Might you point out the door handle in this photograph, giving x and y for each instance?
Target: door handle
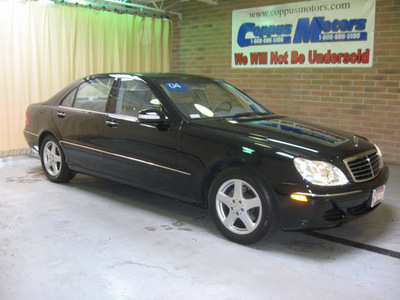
(60, 114)
(112, 123)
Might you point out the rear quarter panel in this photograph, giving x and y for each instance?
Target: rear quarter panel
(40, 124)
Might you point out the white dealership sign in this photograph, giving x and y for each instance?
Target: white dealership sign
(304, 34)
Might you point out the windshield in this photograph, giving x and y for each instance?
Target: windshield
(199, 98)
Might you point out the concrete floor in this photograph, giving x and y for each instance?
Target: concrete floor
(94, 239)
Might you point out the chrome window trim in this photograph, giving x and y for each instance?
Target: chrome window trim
(123, 117)
(83, 110)
(126, 157)
(329, 195)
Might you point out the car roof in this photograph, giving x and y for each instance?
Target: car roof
(55, 99)
(150, 76)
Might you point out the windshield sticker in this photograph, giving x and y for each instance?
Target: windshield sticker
(175, 86)
(195, 116)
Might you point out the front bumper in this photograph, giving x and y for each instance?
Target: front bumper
(326, 208)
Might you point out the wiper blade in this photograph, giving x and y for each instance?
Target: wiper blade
(246, 114)
(250, 114)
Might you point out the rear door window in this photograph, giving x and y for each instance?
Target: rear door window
(93, 94)
(69, 99)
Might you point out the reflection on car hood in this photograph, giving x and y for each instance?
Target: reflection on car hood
(288, 133)
(306, 131)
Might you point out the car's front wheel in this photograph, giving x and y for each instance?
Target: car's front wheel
(242, 206)
(53, 161)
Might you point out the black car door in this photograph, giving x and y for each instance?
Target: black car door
(141, 154)
(81, 122)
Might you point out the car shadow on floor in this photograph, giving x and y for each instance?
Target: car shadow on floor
(189, 217)
(361, 234)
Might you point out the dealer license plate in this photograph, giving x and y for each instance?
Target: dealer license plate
(377, 195)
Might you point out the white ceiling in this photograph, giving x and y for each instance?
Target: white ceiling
(160, 8)
(154, 6)
(160, 3)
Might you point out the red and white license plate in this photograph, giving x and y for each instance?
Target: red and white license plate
(377, 195)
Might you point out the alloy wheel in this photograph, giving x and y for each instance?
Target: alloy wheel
(238, 206)
(52, 158)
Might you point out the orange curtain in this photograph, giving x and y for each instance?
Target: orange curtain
(45, 46)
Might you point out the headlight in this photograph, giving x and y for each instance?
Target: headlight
(320, 172)
(380, 156)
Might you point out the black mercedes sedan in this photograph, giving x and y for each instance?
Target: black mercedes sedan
(200, 139)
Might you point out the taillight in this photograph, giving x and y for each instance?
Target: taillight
(26, 120)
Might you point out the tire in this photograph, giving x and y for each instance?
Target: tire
(242, 206)
(53, 161)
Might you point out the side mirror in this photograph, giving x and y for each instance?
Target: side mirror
(152, 116)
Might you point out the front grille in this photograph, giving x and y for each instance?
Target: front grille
(359, 209)
(364, 166)
(337, 215)
(334, 215)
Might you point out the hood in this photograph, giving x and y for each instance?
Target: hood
(293, 136)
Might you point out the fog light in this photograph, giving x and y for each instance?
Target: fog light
(298, 197)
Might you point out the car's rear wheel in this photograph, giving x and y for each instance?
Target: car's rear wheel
(53, 161)
(242, 206)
